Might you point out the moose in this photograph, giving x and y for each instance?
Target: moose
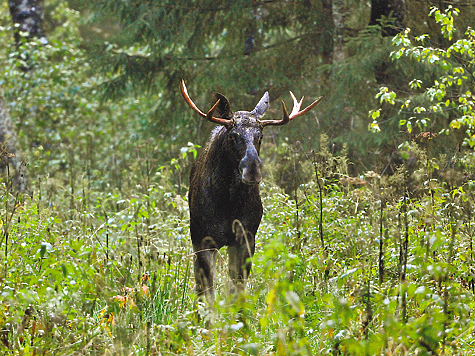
(224, 201)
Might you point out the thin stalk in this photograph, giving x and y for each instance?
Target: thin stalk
(71, 180)
(320, 223)
(7, 220)
(107, 237)
(472, 282)
(148, 193)
(6, 249)
(368, 317)
(469, 208)
(297, 205)
(381, 243)
(185, 283)
(431, 190)
(404, 259)
(453, 230)
(429, 171)
(148, 198)
(7, 189)
(88, 161)
(38, 205)
(139, 261)
(471, 252)
(149, 324)
(320, 193)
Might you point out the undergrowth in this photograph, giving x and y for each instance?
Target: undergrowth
(393, 273)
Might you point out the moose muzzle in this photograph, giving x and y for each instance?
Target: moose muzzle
(250, 167)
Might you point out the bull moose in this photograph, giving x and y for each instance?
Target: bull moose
(225, 205)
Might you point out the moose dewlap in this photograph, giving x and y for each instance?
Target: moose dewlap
(225, 206)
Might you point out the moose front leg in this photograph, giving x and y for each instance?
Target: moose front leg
(205, 267)
(240, 263)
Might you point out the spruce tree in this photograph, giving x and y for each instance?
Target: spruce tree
(338, 49)
(239, 48)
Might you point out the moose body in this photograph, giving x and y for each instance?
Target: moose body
(225, 205)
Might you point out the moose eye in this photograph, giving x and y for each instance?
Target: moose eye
(235, 136)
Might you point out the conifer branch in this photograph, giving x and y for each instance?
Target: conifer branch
(170, 58)
(216, 9)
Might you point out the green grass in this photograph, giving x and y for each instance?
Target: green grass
(117, 277)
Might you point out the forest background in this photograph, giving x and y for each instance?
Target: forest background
(366, 245)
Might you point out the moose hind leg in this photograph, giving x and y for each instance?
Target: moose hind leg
(205, 266)
(240, 264)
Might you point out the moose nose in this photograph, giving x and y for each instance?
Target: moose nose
(250, 167)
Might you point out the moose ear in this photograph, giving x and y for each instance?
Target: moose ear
(261, 106)
(223, 110)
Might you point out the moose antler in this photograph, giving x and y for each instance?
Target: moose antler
(209, 115)
(295, 112)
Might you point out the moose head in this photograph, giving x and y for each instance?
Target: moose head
(245, 129)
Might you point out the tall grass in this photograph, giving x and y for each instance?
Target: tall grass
(384, 267)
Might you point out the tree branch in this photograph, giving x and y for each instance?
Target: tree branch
(216, 9)
(264, 48)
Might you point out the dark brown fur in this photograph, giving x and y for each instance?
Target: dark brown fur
(225, 206)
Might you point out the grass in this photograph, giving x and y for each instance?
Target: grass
(115, 275)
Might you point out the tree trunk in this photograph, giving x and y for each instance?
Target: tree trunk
(27, 15)
(389, 14)
(339, 18)
(327, 38)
